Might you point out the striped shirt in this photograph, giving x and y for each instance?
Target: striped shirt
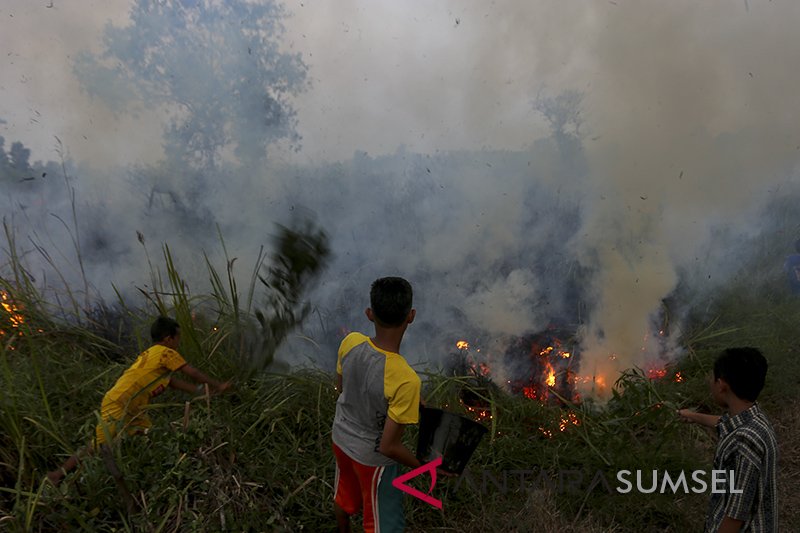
(747, 446)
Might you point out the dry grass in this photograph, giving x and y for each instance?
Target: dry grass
(259, 459)
(536, 510)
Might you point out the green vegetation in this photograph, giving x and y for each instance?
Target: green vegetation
(259, 459)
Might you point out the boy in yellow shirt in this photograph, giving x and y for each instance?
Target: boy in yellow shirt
(124, 405)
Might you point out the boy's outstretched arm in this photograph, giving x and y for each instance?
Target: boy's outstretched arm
(392, 446)
(688, 415)
(199, 377)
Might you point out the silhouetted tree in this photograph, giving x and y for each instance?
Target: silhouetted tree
(215, 68)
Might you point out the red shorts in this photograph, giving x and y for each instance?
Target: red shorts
(370, 487)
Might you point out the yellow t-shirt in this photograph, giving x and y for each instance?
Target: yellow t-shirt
(147, 377)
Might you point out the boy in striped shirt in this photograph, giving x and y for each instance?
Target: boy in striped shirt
(747, 446)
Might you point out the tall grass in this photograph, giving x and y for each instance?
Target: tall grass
(55, 371)
(259, 458)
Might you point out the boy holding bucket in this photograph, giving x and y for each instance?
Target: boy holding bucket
(379, 395)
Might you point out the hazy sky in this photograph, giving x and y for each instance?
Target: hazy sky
(430, 75)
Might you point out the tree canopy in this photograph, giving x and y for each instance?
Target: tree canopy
(216, 69)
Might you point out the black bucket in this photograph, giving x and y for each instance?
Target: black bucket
(449, 436)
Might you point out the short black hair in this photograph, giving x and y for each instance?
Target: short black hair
(743, 369)
(163, 327)
(390, 299)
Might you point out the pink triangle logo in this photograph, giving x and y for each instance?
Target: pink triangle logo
(399, 482)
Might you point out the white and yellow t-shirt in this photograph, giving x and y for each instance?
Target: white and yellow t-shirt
(375, 384)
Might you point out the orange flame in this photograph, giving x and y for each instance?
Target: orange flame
(14, 316)
(462, 345)
(551, 376)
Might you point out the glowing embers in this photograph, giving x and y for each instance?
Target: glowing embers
(480, 414)
(540, 367)
(659, 373)
(537, 367)
(474, 397)
(463, 364)
(566, 421)
(476, 400)
(11, 317)
(13, 312)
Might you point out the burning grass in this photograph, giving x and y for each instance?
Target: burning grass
(259, 458)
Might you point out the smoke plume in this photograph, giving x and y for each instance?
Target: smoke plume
(522, 164)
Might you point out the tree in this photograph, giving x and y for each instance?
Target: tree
(14, 164)
(216, 68)
(18, 174)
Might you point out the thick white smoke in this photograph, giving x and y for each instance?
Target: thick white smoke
(522, 163)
